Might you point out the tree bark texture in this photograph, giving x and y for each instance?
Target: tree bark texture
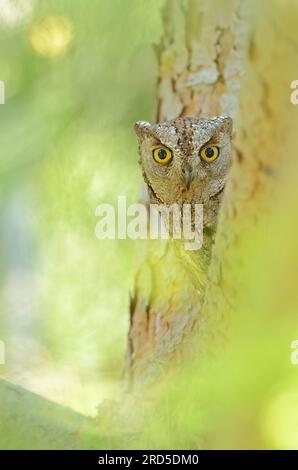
(213, 60)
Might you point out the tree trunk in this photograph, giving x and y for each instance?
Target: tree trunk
(212, 60)
(266, 121)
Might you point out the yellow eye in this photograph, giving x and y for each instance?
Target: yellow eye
(209, 153)
(162, 155)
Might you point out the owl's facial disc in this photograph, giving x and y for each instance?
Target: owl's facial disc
(185, 159)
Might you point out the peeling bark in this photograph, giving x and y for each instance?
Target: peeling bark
(200, 58)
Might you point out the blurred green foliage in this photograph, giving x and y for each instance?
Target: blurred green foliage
(77, 76)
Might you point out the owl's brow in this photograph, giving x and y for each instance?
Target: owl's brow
(157, 143)
(213, 140)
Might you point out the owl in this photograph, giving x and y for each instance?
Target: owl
(186, 160)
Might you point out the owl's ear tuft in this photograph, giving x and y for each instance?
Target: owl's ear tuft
(142, 128)
(227, 125)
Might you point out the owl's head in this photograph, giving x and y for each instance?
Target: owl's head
(185, 159)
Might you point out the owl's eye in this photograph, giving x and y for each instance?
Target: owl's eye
(209, 153)
(162, 155)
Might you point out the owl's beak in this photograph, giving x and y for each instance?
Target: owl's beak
(187, 175)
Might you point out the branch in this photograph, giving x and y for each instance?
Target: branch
(30, 421)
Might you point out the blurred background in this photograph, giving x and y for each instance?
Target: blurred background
(73, 92)
(77, 76)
